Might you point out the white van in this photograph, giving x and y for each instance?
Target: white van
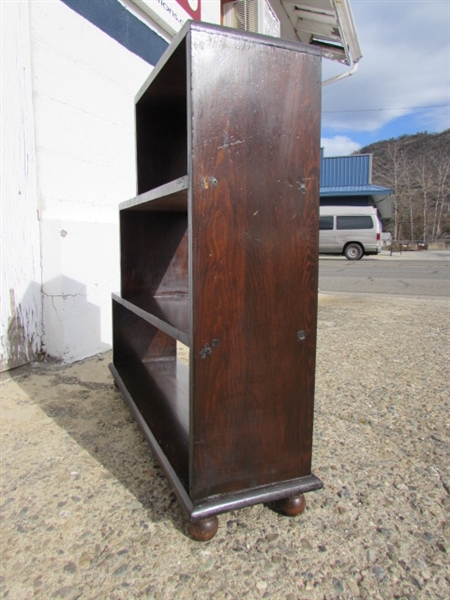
(349, 230)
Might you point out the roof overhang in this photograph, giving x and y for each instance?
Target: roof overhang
(355, 190)
(328, 25)
(381, 196)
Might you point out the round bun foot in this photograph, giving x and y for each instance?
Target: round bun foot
(204, 529)
(293, 506)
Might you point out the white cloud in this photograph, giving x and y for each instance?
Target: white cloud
(406, 63)
(339, 145)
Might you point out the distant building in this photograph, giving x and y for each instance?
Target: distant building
(347, 181)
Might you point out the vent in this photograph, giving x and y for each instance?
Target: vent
(251, 15)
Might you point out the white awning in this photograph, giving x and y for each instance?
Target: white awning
(327, 24)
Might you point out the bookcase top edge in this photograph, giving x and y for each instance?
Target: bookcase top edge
(176, 41)
(253, 37)
(198, 26)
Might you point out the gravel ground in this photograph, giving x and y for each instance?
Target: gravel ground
(87, 513)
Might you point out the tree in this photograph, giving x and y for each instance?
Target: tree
(389, 172)
(425, 180)
(443, 192)
(417, 169)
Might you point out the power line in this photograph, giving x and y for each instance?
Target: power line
(386, 109)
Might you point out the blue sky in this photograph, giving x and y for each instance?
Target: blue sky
(402, 85)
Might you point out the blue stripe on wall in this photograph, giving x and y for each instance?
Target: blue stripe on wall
(115, 20)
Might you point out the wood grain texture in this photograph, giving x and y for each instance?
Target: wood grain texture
(254, 262)
(154, 253)
(225, 258)
(145, 360)
(168, 313)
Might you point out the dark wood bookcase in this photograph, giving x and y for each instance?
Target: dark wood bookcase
(219, 251)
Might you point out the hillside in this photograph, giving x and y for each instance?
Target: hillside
(417, 168)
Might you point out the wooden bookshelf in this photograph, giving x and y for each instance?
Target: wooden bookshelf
(219, 251)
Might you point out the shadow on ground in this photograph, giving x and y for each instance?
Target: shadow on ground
(82, 399)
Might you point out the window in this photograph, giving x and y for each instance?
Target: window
(363, 222)
(325, 223)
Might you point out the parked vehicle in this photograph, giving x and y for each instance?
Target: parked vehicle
(353, 231)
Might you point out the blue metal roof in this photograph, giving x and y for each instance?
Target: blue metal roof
(349, 176)
(346, 170)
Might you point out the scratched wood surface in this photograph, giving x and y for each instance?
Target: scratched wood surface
(255, 111)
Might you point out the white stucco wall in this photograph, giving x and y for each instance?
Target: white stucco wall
(84, 84)
(20, 293)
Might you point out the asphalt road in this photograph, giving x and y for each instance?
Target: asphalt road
(410, 274)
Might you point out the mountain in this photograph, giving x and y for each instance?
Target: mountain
(417, 169)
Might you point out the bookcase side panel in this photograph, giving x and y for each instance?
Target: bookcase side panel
(254, 269)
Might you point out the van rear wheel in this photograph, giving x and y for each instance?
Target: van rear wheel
(353, 251)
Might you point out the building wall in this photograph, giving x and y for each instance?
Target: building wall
(84, 84)
(21, 315)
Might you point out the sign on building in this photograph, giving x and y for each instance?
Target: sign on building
(172, 14)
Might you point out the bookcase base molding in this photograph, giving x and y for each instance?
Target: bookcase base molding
(286, 497)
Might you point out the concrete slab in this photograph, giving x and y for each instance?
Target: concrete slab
(87, 513)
